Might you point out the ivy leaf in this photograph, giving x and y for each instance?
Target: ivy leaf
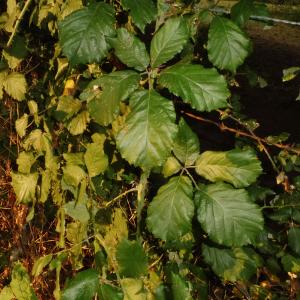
(228, 46)
(186, 147)
(95, 159)
(180, 289)
(294, 239)
(24, 186)
(170, 213)
(15, 85)
(40, 264)
(204, 89)
(116, 87)
(168, 41)
(232, 264)
(131, 258)
(238, 167)
(130, 50)
(147, 136)
(21, 125)
(79, 123)
(142, 12)
(228, 215)
(83, 33)
(108, 292)
(83, 286)
(20, 284)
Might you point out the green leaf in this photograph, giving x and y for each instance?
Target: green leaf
(68, 105)
(180, 289)
(168, 41)
(7, 294)
(241, 12)
(204, 89)
(83, 33)
(290, 73)
(45, 186)
(83, 286)
(73, 175)
(108, 292)
(142, 12)
(40, 264)
(130, 50)
(15, 85)
(74, 158)
(79, 123)
(228, 46)
(20, 283)
(186, 147)
(171, 167)
(228, 215)
(25, 160)
(238, 167)
(116, 87)
(147, 136)
(232, 264)
(21, 125)
(78, 211)
(294, 239)
(24, 186)
(133, 289)
(131, 258)
(170, 213)
(291, 263)
(95, 159)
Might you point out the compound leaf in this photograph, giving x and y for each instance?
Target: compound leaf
(146, 138)
(142, 12)
(83, 286)
(238, 167)
(228, 215)
(168, 41)
(83, 33)
(130, 50)
(204, 89)
(227, 45)
(186, 145)
(131, 258)
(116, 87)
(171, 211)
(232, 264)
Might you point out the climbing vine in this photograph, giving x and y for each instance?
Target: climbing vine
(102, 94)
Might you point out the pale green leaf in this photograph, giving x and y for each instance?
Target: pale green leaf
(180, 288)
(147, 137)
(82, 34)
(232, 264)
(7, 293)
(170, 213)
(20, 283)
(21, 125)
(3, 75)
(79, 123)
(130, 50)
(168, 41)
(290, 73)
(291, 263)
(73, 175)
(83, 286)
(70, 6)
(131, 258)
(228, 215)
(69, 106)
(95, 159)
(109, 292)
(35, 140)
(45, 186)
(116, 87)
(33, 109)
(25, 160)
(186, 147)
(133, 289)
(294, 239)
(142, 12)
(171, 166)
(78, 211)
(228, 46)
(74, 158)
(40, 264)
(15, 85)
(238, 167)
(204, 89)
(24, 186)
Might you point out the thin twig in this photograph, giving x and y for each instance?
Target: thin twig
(116, 199)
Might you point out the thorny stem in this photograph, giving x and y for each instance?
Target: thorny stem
(223, 127)
(18, 23)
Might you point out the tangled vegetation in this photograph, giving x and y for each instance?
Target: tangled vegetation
(111, 194)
